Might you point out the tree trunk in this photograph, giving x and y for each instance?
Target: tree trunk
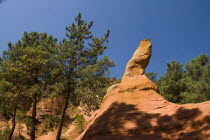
(51, 112)
(33, 129)
(63, 114)
(14, 117)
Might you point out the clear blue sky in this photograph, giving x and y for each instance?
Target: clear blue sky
(178, 29)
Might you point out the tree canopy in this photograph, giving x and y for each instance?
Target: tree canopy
(82, 70)
(190, 84)
(38, 66)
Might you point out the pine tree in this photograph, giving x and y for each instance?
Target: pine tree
(152, 76)
(81, 65)
(5, 88)
(197, 80)
(26, 64)
(189, 86)
(12, 83)
(170, 85)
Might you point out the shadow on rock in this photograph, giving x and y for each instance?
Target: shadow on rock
(125, 122)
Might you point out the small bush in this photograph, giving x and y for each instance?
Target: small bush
(80, 121)
(4, 133)
(28, 121)
(50, 123)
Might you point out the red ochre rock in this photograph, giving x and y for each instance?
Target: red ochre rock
(133, 110)
(46, 108)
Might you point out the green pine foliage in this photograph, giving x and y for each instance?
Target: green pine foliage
(38, 67)
(152, 76)
(186, 85)
(23, 69)
(169, 84)
(197, 80)
(82, 66)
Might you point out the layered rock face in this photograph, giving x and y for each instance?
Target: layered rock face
(133, 110)
(49, 107)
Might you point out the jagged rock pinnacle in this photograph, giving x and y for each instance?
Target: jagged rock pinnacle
(134, 75)
(140, 59)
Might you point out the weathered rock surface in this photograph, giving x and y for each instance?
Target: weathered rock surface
(134, 76)
(46, 108)
(133, 110)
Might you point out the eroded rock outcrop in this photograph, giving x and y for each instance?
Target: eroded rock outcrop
(134, 75)
(50, 107)
(133, 110)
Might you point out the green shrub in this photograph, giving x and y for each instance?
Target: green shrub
(28, 121)
(4, 133)
(80, 121)
(50, 123)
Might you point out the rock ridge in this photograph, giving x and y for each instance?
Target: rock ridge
(133, 109)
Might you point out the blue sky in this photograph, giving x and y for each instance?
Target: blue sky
(178, 29)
